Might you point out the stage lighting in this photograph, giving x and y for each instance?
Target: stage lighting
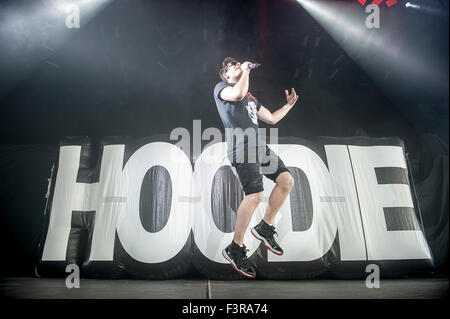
(426, 9)
(377, 50)
(410, 5)
(28, 26)
(67, 5)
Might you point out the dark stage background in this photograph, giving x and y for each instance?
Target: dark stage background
(141, 68)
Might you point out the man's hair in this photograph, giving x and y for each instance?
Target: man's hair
(225, 62)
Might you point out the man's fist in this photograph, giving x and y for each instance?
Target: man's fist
(246, 66)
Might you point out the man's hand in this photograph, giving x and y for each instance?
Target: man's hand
(291, 98)
(245, 66)
(273, 118)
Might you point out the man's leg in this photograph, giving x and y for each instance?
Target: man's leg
(264, 231)
(244, 215)
(284, 184)
(235, 253)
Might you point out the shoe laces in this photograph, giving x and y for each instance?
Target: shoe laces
(244, 251)
(271, 230)
(244, 259)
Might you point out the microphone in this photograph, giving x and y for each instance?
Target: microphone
(254, 65)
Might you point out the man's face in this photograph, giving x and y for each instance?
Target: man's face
(234, 70)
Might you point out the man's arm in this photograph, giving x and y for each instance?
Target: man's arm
(272, 118)
(240, 89)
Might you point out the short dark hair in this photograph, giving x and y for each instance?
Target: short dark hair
(225, 63)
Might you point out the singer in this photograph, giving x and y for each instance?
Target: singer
(239, 111)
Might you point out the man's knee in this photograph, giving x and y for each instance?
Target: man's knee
(256, 198)
(285, 181)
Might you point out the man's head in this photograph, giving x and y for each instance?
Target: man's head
(231, 70)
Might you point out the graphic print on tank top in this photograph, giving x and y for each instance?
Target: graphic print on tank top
(251, 108)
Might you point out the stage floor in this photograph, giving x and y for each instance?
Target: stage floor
(45, 288)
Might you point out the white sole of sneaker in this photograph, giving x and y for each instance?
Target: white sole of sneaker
(225, 255)
(257, 236)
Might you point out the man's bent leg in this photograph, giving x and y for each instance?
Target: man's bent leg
(244, 215)
(284, 184)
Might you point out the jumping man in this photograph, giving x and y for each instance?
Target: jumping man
(239, 111)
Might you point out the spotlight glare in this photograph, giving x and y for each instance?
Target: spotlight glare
(345, 23)
(412, 5)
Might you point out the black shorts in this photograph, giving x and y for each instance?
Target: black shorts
(250, 173)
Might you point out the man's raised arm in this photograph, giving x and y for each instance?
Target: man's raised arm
(272, 118)
(240, 89)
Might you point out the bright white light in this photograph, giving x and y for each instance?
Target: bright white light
(374, 50)
(68, 5)
(410, 5)
(32, 32)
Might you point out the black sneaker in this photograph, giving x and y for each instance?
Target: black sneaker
(237, 256)
(264, 232)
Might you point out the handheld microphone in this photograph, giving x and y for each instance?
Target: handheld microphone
(254, 65)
